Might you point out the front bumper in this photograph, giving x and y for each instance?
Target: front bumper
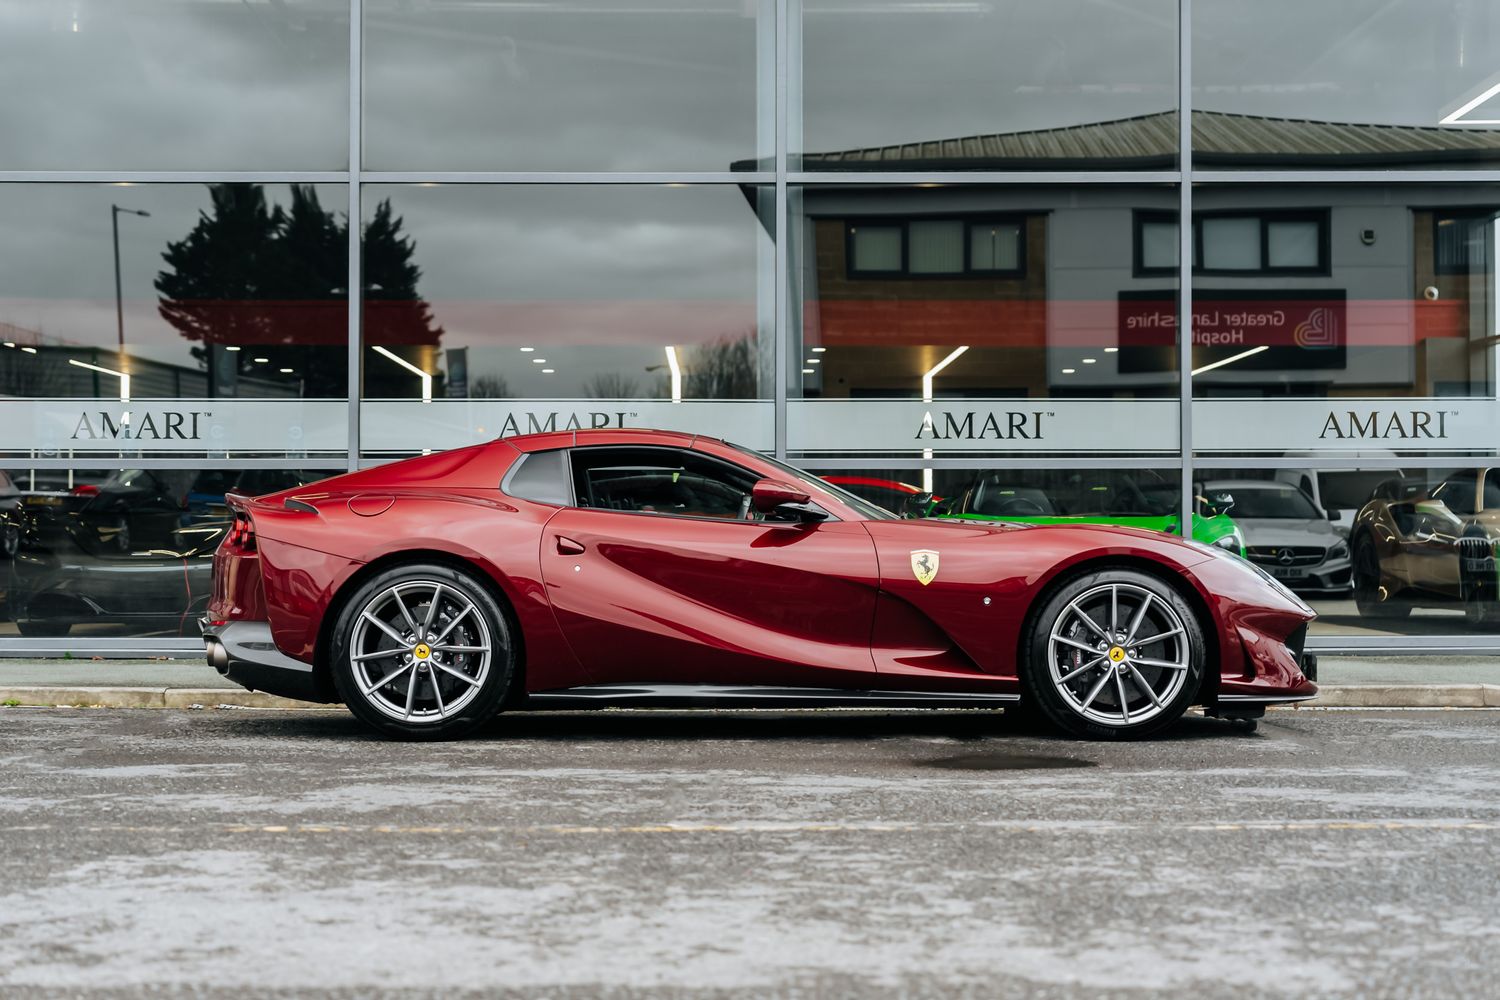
(244, 652)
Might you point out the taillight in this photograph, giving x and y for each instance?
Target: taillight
(241, 535)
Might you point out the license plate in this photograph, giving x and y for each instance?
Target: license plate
(1287, 573)
(1479, 565)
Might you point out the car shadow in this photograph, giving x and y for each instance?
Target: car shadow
(634, 725)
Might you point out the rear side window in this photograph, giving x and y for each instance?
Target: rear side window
(541, 476)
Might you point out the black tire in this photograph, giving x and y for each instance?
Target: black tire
(467, 611)
(43, 628)
(1052, 640)
(1369, 597)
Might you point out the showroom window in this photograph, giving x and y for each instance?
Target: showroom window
(936, 242)
(1269, 243)
(937, 248)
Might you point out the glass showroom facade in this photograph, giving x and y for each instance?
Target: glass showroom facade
(923, 247)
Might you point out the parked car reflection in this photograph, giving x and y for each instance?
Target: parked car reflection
(1419, 546)
(135, 553)
(1142, 499)
(1287, 535)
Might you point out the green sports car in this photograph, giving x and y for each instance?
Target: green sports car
(1112, 497)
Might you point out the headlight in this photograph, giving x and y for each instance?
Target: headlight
(1233, 543)
(1340, 550)
(1221, 551)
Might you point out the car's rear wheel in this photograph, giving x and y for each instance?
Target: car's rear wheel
(1113, 654)
(424, 651)
(1370, 595)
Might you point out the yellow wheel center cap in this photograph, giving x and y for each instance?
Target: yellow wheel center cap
(423, 651)
(1116, 654)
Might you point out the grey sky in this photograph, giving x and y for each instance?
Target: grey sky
(682, 84)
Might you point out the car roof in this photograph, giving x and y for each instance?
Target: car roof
(548, 440)
(1253, 484)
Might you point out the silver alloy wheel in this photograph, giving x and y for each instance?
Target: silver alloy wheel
(1118, 654)
(420, 651)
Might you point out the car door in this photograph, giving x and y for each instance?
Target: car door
(660, 573)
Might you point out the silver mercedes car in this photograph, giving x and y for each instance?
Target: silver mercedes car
(1287, 535)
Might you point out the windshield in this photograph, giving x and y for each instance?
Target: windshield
(865, 508)
(1288, 503)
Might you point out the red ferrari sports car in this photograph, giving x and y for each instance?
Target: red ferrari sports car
(614, 567)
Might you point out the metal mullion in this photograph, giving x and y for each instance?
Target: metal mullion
(354, 283)
(1401, 645)
(114, 461)
(566, 177)
(115, 648)
(1254, 176)
(963, 177)
(782, 311)
(173, 176)
(1336, 461)
(1160, 461)
(1185, 260)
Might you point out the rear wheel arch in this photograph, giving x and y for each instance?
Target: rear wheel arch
(322, 658)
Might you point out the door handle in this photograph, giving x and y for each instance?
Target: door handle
(567, 547)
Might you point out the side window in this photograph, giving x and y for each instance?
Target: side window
(1458, 493)
(661, 481)
(541, 476)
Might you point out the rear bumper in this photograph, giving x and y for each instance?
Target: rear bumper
(244, 652)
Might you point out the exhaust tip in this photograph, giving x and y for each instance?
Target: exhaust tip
(218, 657)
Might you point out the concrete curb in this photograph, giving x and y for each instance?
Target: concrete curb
(1406, 696)
(1332, 696)
(146, 697)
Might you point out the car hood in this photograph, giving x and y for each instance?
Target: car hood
(1286, 531)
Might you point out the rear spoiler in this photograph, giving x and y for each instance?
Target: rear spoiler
(242, 504)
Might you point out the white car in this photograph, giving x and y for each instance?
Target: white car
(1287, 535)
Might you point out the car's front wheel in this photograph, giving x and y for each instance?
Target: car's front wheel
(423, 651)
(1113, 654)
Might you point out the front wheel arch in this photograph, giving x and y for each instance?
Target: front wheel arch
(323, 651)
(1208, 691)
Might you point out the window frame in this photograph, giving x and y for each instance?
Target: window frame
(903, 223)
(1319, 216)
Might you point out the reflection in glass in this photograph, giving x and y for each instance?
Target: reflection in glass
(1136, 498)
(140, 85)
(575, 293)
(1361, 84)
(133, 292)
(567, 86)
(1340, 291)
(1376, 550)
(987, 85)
(124, 553)
(977, 293)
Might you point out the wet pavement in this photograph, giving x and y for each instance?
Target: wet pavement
(930, 854)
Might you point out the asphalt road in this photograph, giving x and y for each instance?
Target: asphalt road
(1330, 854)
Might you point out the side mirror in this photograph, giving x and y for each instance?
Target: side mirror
(768, 494)
(1334, 513)
(1218, 504)
(916, 505)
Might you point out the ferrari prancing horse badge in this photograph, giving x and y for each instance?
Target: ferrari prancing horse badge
(924, 565)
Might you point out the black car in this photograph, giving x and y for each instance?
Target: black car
(136, 552)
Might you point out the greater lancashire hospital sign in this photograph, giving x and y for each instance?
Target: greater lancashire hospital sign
(949, 426)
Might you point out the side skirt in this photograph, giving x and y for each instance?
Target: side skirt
(752, 696)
